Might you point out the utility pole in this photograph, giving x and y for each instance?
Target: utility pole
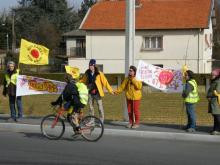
(129, 41)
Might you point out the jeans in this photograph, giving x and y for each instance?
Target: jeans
(12, 100)
(67, 105)
(190, 110)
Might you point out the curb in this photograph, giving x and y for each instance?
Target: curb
(127, 133)
(164, 135)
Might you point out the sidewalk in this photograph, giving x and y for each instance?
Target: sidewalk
(117, 128)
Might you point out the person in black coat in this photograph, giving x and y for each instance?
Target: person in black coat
(70, 95)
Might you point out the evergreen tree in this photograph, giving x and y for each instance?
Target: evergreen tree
(44, 21)
(85, 5)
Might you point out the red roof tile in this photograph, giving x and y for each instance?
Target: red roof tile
(153, 14)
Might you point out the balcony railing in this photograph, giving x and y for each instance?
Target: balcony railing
(77, 52)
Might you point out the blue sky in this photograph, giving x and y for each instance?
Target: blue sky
(6, 4)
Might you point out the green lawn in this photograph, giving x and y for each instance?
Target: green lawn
(156, 107)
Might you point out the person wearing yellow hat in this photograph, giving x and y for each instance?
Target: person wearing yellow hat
(73, 71)
(70, 95)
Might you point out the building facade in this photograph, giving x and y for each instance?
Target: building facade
(171, 38)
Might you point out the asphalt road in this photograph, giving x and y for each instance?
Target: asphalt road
(33, 149)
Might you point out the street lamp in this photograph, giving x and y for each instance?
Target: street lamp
(7, 42)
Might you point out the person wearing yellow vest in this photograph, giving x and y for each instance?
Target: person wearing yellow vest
(191, 97)
(96, 81)
(10, 81)
(71, 96)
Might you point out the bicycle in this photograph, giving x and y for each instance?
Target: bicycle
(53, 125)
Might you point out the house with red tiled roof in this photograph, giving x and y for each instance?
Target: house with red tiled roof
(169, 33)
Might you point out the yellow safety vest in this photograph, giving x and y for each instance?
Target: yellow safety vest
(193, 96)
(12, 79)
(83, 92)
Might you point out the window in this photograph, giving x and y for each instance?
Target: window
(80, 50)
(153, 43)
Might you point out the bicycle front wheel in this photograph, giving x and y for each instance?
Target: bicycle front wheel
(52, 127)
(91, 128)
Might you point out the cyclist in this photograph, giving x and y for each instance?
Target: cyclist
(71, 97)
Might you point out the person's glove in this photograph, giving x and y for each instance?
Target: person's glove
(4, 93)
(53, 103)
(184, 95)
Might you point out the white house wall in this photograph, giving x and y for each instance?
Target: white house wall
(179, 46)
(105, 45)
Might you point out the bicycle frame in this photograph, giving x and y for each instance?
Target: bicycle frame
(60, 112)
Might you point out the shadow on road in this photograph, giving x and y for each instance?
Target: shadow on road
(64, 138)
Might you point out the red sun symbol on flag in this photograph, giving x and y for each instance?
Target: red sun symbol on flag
(35, 53)
(166, 77)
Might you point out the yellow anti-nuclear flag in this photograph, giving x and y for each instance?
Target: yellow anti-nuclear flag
(33, 54)
(74, 71)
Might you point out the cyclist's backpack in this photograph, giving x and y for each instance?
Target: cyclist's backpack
(83, 92)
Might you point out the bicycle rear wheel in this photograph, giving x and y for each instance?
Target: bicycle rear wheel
(51, 128)
(91, 128)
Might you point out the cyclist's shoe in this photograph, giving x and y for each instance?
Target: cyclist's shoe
(78, 130)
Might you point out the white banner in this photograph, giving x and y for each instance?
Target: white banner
(165, 79)
(29, 85)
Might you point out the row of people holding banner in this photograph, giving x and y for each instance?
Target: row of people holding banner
(164, 79)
